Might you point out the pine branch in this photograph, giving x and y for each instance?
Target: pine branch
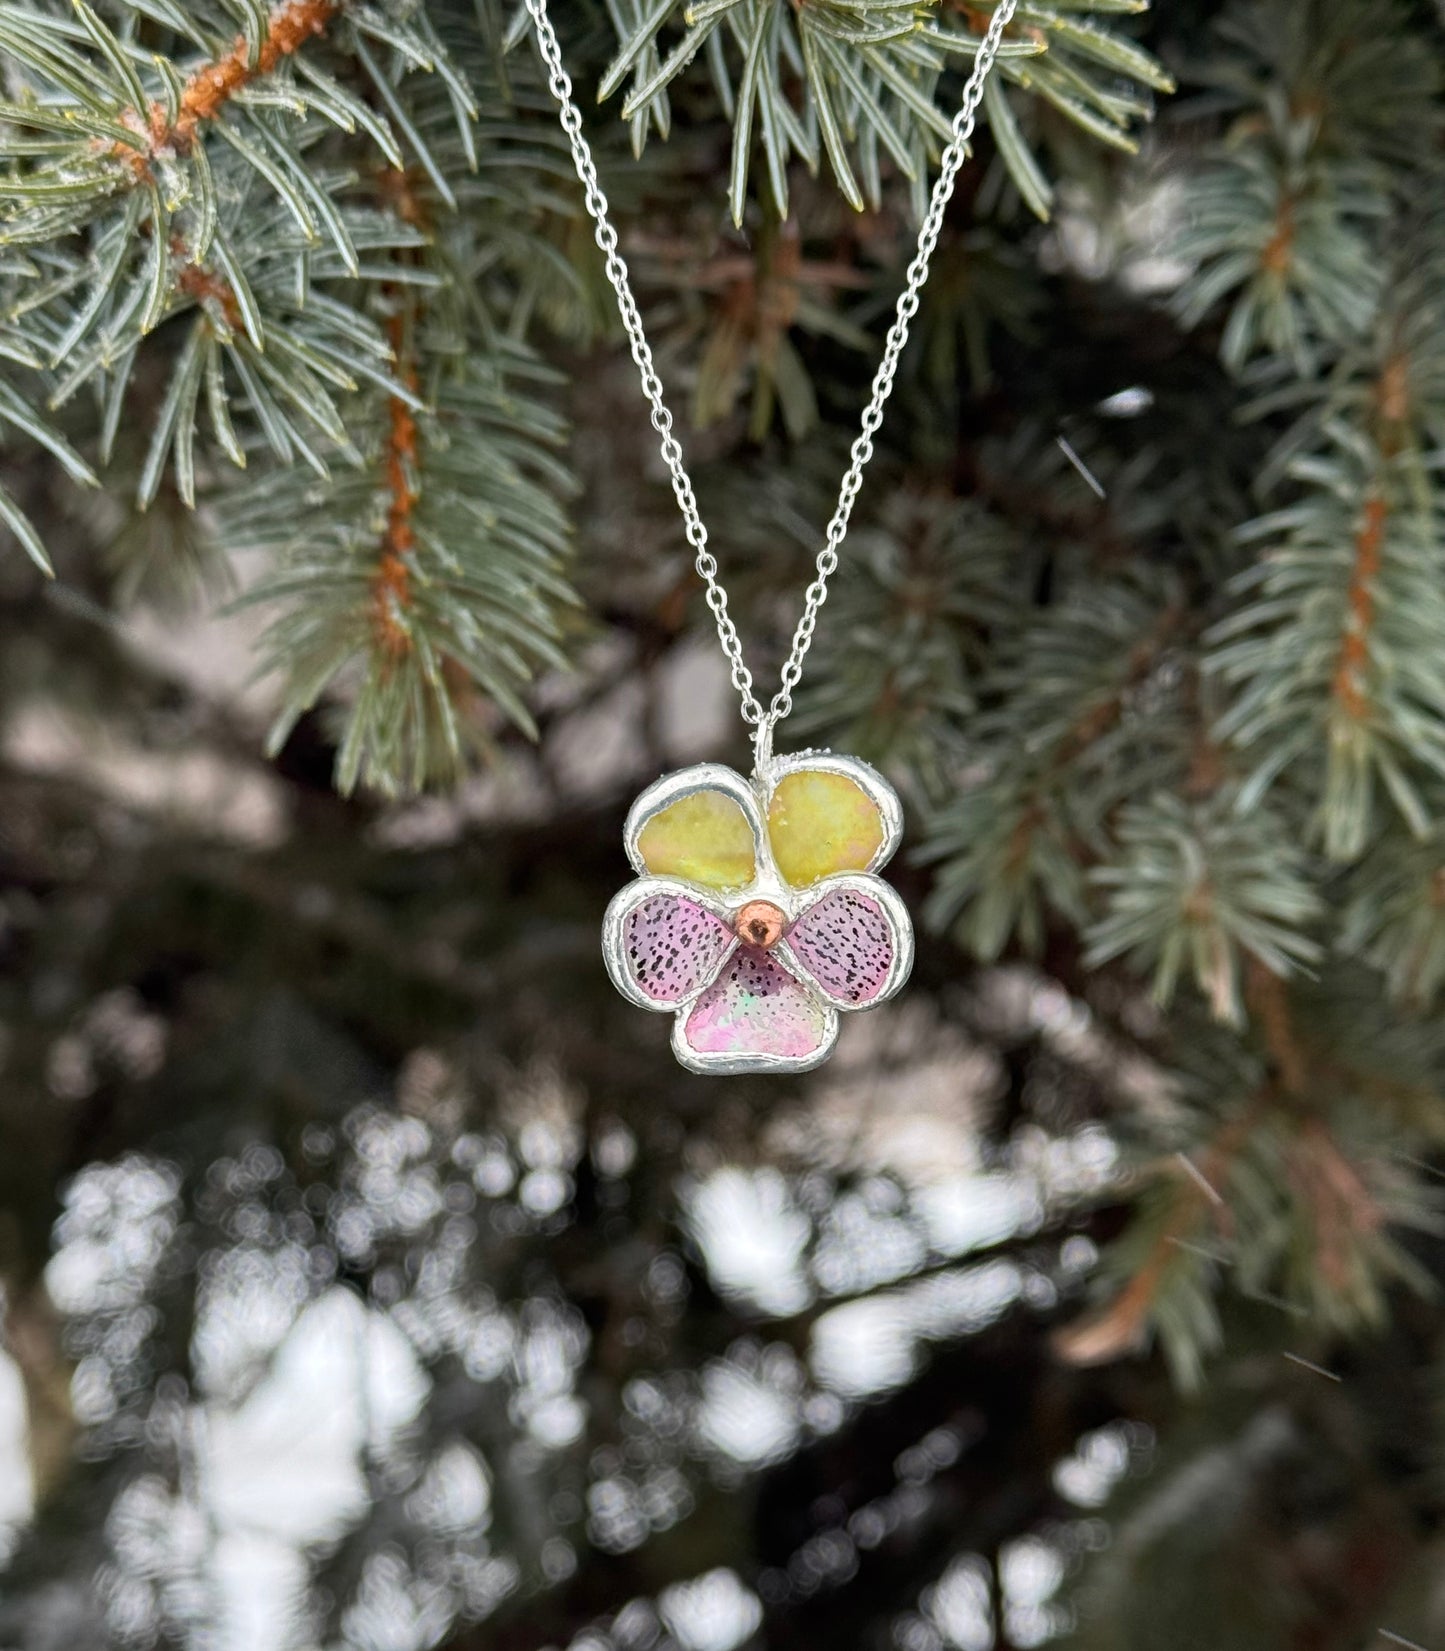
(1363, 72)
(1330, 657)
(762, 297)
(1336, 120)
(871, 84)
(1166, 1263)
(1395, 917)
(1067, 742)
(17, 413)
(287, 355)
(1287, 232)
(204, 192)
(214, 84)
(440, 573)
(200, 219)
(981, 286)
(1284, 1177)
(1195, 887)
(897, 674)
(1389, 383)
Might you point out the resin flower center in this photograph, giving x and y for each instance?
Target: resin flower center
(760, 924)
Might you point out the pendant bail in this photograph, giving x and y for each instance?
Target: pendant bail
(763, 745)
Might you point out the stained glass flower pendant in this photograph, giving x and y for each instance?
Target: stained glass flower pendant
(756, 918)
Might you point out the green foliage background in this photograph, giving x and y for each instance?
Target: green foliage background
(1143, 609)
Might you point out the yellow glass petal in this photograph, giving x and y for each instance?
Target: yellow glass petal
(704, 839)
(821, 823)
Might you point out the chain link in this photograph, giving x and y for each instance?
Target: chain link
(954, 154)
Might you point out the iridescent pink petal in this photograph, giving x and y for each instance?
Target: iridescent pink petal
(845, 942)
(755, 1007)
(673, 945)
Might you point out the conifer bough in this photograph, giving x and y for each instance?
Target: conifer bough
(206, 241)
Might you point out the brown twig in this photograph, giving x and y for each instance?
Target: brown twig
(211, 86)
(391, 583)
(1348, 687)
(1121, 1326)
(1090, 726)
(1277, 258)
(201, 283)
(391, 592)
(1345, 1210)
(1269, 1004)
(1392, 398)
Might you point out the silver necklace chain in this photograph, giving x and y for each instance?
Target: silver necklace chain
(955, 152)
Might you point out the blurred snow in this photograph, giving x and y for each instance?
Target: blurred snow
(748, 1418)
(713, 1613)
(752, 1236)
(116, 1223)
(216, 796)
(17, 1487)
(266, 1481)
(967, 1212)
(960, 1604)
(456, 1494)
(1099, 1461)
(868, 1346)
(210, 649)
(290, 1460)
(881, 1209)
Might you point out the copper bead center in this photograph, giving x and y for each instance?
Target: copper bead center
(760, 923)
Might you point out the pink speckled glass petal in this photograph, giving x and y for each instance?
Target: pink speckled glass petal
(673, 945)
(845, 941)
(755, 1007)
